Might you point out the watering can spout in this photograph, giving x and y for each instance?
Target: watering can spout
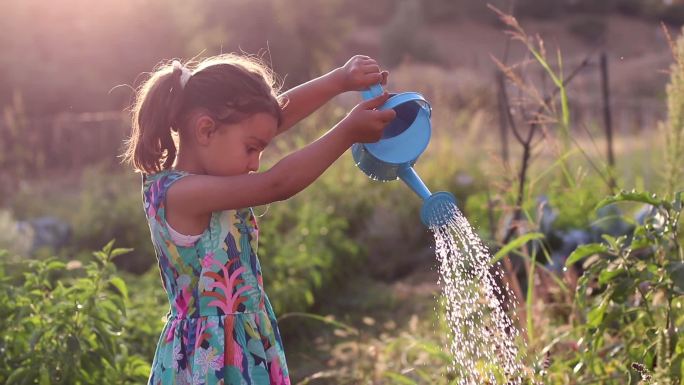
(409, 176)
(437, 208)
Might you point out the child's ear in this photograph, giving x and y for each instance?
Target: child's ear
(205, 127)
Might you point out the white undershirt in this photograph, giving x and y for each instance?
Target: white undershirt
(182, 239)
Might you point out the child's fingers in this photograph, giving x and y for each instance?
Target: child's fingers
(376, 102)
(373, 78)
(370, 68)
(384, 75)
(387, 116)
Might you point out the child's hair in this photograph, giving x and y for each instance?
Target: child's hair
(229, 87)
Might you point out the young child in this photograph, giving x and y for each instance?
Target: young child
(197, 137)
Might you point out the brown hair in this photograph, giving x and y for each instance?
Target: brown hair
(229, 87)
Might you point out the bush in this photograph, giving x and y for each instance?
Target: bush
(630, 299)
(63, 323)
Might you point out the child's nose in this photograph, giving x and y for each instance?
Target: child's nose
(253, 166)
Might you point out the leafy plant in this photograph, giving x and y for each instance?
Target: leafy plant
(629, 300)
(62, 323)
(304, 246)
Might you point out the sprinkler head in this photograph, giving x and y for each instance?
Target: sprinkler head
(438, 209)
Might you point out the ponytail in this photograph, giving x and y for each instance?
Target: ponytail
(151, 147)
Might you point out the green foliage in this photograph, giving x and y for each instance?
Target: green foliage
(574, 204)
(110, 207)
(63, 323)
(145, 312)
(306, 244)
(630, 298)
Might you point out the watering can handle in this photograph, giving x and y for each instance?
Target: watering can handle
(372, 92)
(377, 90)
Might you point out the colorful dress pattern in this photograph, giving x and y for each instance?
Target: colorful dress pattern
(220, 327)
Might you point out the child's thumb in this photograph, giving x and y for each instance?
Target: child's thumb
(376, 102)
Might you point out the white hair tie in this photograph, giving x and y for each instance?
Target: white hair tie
(185, 73)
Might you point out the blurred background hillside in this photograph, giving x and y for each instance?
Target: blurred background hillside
(69, 69)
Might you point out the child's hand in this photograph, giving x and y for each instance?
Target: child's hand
(361, 72)
(364, 124)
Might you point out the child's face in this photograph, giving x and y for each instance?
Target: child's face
(236, 149)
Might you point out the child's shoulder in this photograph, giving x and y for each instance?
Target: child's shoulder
(154, 185)
(167, 175)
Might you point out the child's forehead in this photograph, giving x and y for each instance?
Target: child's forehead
(261, 125)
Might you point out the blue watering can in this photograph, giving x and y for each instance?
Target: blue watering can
(402, 142)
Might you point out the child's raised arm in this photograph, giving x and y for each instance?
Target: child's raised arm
(197, 195)
(358, 73)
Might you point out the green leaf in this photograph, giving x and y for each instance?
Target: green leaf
(584, 251)
(595, 316)
(435, 351)
(608, 275)
(120, 251)
(514, 244)
(676, 270)
(399, 378)
(55, 265)
(120, 286)
(633, 196)
(18, 375)
(677, 204)
(44, 376)
(107, 249)
(73, 344)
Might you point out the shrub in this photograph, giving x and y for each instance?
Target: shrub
(630, 298)
(63, 323)
(308, 242)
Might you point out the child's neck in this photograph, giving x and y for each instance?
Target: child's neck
(186, 163)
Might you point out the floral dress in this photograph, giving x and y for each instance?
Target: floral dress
(220, 328)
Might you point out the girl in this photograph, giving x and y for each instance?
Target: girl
(197, 197)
